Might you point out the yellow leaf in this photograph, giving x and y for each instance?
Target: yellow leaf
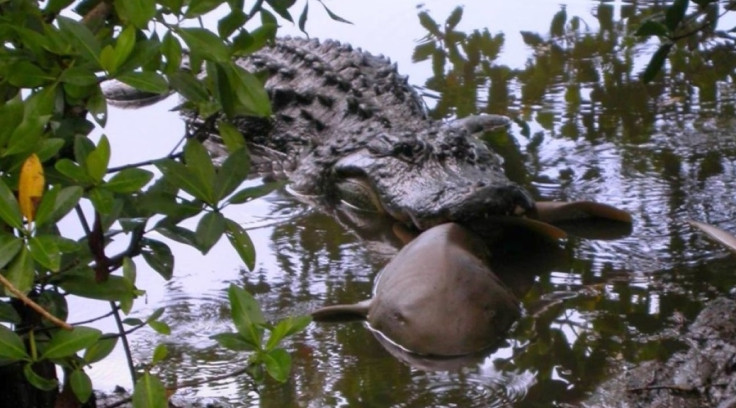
(30, 186)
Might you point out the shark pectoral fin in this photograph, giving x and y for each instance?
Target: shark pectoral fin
(722, 237)
(555, 211)
(356, 311)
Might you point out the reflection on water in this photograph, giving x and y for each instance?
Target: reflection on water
(586, 129)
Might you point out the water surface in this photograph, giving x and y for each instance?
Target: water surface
(586, 129)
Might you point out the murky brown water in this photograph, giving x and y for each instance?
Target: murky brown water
(665, 152)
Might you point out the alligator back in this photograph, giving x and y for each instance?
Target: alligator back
(323, 93)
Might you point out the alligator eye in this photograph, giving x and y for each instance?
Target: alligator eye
(404, 149)
(408, 151)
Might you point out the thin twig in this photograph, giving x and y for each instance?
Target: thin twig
(33, 305)
(142, 163)
(94, 319)
(124, 338)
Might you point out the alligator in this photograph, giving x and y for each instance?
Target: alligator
(347, 128)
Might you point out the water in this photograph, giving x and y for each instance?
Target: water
(664, 152)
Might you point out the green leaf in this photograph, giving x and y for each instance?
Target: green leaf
(124, 47)
(156, 314)
(232, 173)
(132, 321)
(129, 269)
(27, 135)
(49, 148)
(675, 13)
(98, 160)
(231, 136)
(303, 18)
(45, 251)
(231, 22)
(188, 86)
(285, 328)
(140, 12)
(145, 52)
(333, 15)
(206, 43)
(200, 165)
(9, 247)
(250, 92)
(8, 314)
(11, 345)
(282, 8)
(249, 42)
(454, 18)
(149, 392)
(656, 63)
(278, 364)
(129, 180)
(81, 37)
(429, 24)
(181, 177)
(56, 203)
(241, 242)
(158, 256)
(199, 7)
(9, 209)
(72, 170)
(11, 115)
(557, 27)
(233, 341)
(102, 200)
(250, 193)
(209, 230)
(82, 282)
(65, 343)
(177, 233)
(246, 314)
(81, 384)
(101, 349)
(20, 273)
(55, 6)
(25, 74)
(46, 384)
(160, 327)
(171, 49)
(159, 353)
(651, 27)
(145, 81)
(43, 103)
(423, 52)
(224, 89)
(80, 76)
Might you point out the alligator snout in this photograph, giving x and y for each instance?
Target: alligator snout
(505, 200)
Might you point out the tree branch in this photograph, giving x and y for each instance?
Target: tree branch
(33, 305)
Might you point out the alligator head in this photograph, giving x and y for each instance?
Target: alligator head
(420, 178)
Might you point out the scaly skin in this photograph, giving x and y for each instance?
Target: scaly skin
(347, 127)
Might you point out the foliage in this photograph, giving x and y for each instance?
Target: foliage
(675, 24)
(52, 66)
